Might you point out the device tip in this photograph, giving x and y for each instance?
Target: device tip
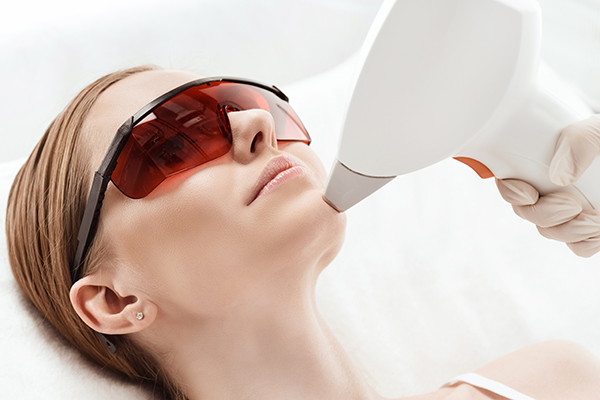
(326, 200)
(345, 187)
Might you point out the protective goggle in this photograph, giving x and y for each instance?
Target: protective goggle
(182, 129)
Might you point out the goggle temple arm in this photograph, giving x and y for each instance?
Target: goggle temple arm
(89, 223)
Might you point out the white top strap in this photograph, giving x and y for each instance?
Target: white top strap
(495, 387)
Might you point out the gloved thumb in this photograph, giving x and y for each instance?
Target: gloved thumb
(516, 192)
(577, 146)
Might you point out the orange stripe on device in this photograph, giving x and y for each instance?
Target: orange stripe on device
(481, 170)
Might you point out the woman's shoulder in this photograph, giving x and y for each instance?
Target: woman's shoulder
(549, 370)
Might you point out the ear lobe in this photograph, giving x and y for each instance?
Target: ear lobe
(106, 311)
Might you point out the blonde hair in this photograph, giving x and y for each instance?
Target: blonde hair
(45, 209)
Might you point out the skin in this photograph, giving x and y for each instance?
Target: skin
(227, 288)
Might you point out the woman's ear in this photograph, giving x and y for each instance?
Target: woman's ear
(105, 310)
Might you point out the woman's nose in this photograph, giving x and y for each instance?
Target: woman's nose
(252, 132)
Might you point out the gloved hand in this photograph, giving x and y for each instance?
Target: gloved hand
(560, 216)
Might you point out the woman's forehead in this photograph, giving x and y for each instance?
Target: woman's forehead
(126, 97)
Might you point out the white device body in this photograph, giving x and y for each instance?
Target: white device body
(449, 78)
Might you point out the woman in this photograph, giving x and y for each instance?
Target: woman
(203, 284)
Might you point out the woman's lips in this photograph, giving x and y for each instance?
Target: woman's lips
(280, 169)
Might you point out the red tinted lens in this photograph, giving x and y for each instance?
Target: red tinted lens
(188, 130)
(180, 134)
(288, 126)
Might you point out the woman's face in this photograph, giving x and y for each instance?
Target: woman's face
(202, 237)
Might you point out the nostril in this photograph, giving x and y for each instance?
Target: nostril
(257, 139)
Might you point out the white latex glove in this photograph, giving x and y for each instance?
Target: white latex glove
(560, 216)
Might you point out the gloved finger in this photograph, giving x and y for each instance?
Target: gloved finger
(577, 146)
(583, 227)
(551, 210)
(586, 248)
(517, 192)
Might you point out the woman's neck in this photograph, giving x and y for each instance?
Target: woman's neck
(271, 344)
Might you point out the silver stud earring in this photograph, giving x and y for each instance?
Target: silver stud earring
(139, 315)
